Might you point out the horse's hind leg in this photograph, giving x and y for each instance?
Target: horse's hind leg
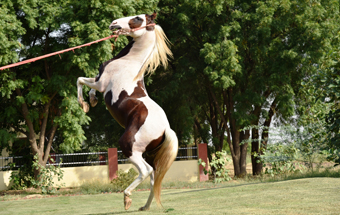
(144, 170)
(148, 203)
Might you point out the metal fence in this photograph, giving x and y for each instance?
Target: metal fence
(78, 159)
(86, 159)
(11, 162)
(188, 153)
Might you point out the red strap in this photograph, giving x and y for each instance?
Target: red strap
(66, 50)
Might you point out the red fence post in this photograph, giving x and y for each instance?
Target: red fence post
(203, 154)
(113, 163)
(102, 159)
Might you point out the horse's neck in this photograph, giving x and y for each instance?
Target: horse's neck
(142, 48)
(127, 68)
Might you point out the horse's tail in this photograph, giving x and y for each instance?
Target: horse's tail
(163, 160)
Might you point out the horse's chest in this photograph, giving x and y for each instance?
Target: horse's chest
(125, 107)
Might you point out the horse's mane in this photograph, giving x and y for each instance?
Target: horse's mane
(159, 54)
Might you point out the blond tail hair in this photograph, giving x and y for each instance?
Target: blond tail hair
(163, 160)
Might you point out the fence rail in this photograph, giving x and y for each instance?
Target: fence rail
(85, 159)
(11, 162)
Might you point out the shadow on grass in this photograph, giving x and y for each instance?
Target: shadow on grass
(213, 188)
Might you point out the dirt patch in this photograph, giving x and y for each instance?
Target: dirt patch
(34, 196)
(18, 192)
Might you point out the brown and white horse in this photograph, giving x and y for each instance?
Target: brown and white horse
(121, 79)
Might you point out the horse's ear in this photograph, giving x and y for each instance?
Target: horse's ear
(154, 15)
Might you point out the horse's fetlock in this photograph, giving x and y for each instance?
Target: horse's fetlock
(127, 193)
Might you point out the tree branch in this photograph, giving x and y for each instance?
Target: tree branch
(29, 123)
(44, 124)
(49, 144)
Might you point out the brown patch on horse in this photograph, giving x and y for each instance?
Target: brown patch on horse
(150, 20)
(136, 22)
(152, 149)
(122, 53)
(155, 143)
(130, 113)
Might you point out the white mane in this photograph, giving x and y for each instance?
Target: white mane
(159, 54)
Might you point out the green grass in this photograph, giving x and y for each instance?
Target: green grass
(299, 196)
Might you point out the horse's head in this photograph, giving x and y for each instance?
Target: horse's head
(127, 25)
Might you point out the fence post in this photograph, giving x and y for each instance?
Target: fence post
(113, 163)
(203, 154)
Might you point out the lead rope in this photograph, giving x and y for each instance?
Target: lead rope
(114, 34)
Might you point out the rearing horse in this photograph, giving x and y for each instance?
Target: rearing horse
(121, 79)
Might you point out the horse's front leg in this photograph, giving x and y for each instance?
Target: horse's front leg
(93, 98)
(80, 82)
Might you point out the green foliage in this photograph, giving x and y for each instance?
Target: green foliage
(45, 177)
(331, 83)
(333, 120)
(251, 55)
(217, 166)
(124, 179)
(312, 144)
(293, 148)
(280, 159)
(47, 88)
(22, 178)
(320, 103)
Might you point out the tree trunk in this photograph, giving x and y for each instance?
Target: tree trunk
(266, 125)
(258, 148)
(255, 146)
(38, 148)
(244, 146)
(238, 152)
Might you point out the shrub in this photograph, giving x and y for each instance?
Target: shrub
(124, 179)
(45, 177)
(217, 166)
(280, 159)
(21, 179)
(118, 184)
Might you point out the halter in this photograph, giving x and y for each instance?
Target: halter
(124, 31)
(114, 34)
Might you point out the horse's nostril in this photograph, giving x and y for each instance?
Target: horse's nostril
(113, 27)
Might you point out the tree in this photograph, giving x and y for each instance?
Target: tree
(247, 59)
(39, 99)
(327, 81)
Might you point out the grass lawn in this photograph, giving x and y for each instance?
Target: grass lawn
(301, 196)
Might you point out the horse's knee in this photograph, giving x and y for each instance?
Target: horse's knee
(79, 81)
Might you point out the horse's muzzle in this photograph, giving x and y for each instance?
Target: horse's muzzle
(113, 27)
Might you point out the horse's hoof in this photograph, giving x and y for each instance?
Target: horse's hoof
(86, 107)
(93, 101)
(127, 202)
(143, 209)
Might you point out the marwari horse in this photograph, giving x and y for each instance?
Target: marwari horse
(121, 79)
